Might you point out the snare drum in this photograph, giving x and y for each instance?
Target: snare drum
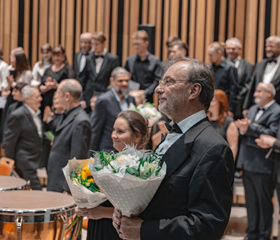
(26, 215)
(12, 183)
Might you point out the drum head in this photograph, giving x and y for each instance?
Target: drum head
(34, 201)
(11, 183)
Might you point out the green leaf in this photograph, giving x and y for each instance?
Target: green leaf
(132, 171)
(73, 174)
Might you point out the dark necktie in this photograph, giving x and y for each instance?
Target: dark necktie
(174, 128)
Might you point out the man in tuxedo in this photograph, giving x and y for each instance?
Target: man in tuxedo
(23, 136)
(244, 72)
(100, 65)
(71, 137)
(225, 74)
(262, 118)
(267, 71)
(80, 58)
(107, 108)
(145, 68)
(194, 199)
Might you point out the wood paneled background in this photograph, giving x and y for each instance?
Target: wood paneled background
(31, 23)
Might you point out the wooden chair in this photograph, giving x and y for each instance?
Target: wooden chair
(6, 166)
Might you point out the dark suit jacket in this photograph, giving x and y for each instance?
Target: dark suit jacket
(194, 199)
(149, 81)
(251, 157)
(244, 73)
(80, 76)
(258, 77)
(21, 139)
(98, 82)
(102, 121)
(72, 139)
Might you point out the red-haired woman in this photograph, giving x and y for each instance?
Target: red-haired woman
(224, 124)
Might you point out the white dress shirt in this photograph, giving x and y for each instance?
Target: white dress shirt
(270, 70)
(99, 61)
(184, 125)
(36, 119)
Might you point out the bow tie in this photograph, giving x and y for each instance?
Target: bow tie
(261, 108)
(174, 128)
(84, 54)
(272, 61)
(99, 56)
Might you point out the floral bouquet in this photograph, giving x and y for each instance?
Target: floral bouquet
(129, 179)
(83, 189)
(147, 111)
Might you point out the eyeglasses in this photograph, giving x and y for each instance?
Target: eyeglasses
(166, 82)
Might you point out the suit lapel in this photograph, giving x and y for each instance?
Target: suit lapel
(179, 152)
(28, 114)
(92, 64)
(104, 64)
(276, 78)
(67, 120)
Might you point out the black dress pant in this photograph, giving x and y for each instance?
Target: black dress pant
(258, 194)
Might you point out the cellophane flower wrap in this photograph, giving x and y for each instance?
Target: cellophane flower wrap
(85, 197)
(147, 111)
(129, 179)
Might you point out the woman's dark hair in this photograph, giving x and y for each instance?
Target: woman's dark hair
(60, 50)
(138, 125)
(21, 61)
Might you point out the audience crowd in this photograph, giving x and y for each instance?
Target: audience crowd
(56, 112)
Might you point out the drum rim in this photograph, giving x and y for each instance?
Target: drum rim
(13, 188)
(38, 211)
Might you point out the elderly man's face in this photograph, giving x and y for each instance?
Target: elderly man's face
(173, 90)
(85, 43)
(232, 50)
(272, 49)
(34, 102)
(120, 83)
(261, 95)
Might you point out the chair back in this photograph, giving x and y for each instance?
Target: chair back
(6, 166)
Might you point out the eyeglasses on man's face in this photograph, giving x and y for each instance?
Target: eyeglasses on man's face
(166, 82)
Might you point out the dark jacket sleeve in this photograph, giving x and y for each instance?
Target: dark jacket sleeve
(234, 88)
(157, 77)
(209, 202)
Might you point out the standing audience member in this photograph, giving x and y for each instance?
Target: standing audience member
(41, 66)
(23, 136)
(99, 68)
(71, 136)
(178, 49)
(267, 71)
(53, 75)
(244, 72)
(4, 71)
(107, 108)
(169, 41)
(223, 123)
(194, 199)
(262, 118)
(225, 74)
(80, 58)
(144, 67)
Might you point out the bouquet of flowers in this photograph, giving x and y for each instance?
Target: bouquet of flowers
(129, 179)
(83, 189)
(147, 111)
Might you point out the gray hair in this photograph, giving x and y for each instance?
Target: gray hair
(199, 72)
(73, 87)
(273, 38)
(234, 40)
(119, 70)
(27, 91)
(269, 87)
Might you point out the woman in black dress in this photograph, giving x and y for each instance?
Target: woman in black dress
(53, 75)
(130, 128)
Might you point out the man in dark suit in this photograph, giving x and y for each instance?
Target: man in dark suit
(194, 199)
(107, 107)
(244, 72)
(71, 136)
(263, 118)
(267, 71)
(80, 58)
(100, 65)
(23, 136)
(145, 68)
(225, 74)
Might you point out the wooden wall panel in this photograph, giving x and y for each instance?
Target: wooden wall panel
(62, 22)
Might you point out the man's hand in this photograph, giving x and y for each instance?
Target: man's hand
(230, 114)
(265, 141)
(127, 228)
(243, 124)
(245, 112)
(95, 213)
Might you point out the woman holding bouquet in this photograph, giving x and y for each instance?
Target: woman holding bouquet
(130, 128)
